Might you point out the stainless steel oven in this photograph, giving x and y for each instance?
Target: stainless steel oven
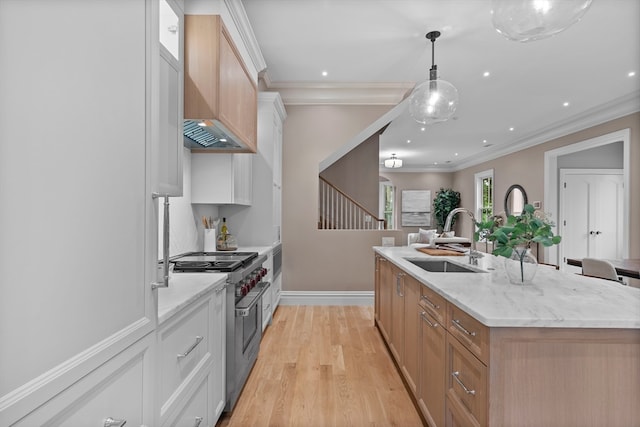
(244, 309)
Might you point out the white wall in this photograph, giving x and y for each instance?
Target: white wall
(186, 228)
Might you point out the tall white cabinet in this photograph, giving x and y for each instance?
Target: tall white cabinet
(79, 159)
(260, 225)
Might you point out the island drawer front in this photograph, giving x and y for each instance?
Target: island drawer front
(471, 333)
(434, 304)
(466, 381)
(184, 345)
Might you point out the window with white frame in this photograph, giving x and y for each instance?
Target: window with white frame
(484, 195)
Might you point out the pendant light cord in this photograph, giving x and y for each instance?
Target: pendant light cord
(433, 71)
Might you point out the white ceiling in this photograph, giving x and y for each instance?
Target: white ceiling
(376, 50)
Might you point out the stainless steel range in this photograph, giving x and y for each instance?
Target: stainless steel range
(244, 308)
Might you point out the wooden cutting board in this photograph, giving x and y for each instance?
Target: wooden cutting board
(439, 252)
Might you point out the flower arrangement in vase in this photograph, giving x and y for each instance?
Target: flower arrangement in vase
(514, 239)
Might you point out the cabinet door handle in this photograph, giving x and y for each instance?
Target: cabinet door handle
(398, 279)
(457, 324)
(455, 376)
(165, 244)
(428, 301)
(198, 422)
(424, 317)
(190, 349)
(111, 422)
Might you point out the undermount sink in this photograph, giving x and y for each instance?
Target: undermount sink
(441, 266)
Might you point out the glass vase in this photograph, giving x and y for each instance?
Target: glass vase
(521, 267)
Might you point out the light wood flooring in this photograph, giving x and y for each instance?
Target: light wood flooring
(323, 366)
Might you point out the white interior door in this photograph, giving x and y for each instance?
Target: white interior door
(591, 203)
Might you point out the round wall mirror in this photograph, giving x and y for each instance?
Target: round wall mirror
(514, 200)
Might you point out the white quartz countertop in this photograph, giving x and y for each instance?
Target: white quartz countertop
(554, 299)
(185, 288)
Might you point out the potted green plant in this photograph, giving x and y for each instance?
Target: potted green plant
(446, 200)
(514, 239)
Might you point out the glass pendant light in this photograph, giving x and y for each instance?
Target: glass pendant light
(529, 20)
(433, 100)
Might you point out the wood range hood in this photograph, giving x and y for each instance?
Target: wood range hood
(220, 96)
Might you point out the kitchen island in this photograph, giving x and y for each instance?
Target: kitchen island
(475, 349)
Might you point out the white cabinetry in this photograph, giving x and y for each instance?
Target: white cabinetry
(221, 178)
(65, 324)
(114, 390)
(171, 60)
(260, 225)
(191, 362)
(267, 297)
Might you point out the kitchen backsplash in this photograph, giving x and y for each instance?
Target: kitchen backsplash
(185, 232)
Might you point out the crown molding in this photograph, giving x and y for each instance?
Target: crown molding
(273, 99)
(615, 109)
(241, 20)
(338, 93)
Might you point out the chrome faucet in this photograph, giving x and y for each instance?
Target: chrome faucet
(473, 253)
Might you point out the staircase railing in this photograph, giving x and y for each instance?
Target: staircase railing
(338, 211)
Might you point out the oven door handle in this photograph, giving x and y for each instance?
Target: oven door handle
(245, 310)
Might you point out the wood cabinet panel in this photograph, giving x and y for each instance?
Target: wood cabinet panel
(238, 97)
(411, 365)
(218, 85)
(396, 336)
(434, 304)
(471, 333)
(431, 389)
(466, 379)
(387, 289)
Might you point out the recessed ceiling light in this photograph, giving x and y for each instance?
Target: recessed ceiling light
(423, 129)
(565, 104)
(631, 73)
(511, 129)
(324, 74)
(484, 141)
(435, 163)
(408, 141)
(486, 74)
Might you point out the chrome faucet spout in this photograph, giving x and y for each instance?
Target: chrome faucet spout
(447, 223)
(473, 253)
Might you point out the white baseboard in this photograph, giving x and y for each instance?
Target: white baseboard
(326, 298)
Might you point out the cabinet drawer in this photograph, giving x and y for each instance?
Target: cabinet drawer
(466, 381)
(434, 304)
(195, 412)
(471, 333)
(116, 389)
(184, 344)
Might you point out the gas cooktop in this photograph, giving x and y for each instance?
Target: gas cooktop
(212, 261)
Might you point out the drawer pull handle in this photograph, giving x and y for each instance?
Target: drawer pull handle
(455, 376)
(457, 324)
(198, 422)
(110, 422)
(425, 299)
(424, 317)
(190, 349)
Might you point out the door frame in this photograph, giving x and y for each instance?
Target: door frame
(561, 214)
(552, 182)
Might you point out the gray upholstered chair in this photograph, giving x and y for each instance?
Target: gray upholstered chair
(600, 268)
